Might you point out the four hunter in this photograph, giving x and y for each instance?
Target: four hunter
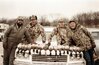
(69, 34)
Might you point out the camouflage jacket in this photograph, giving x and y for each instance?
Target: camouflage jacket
(81, 37)
(36, 31)
(61, 35)
(15, 34)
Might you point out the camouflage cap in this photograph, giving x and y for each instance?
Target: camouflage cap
(73, 21)
(20, 17)
(62, 20)
(33, 17)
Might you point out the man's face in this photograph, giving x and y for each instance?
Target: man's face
(61, 24)
(33, 21)
(72, 25)
(20, 21)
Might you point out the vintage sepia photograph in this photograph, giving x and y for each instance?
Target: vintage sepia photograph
(49, 32)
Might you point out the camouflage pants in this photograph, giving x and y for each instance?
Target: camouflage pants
(9, 55)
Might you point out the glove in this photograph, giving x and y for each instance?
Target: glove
(93, 46)
(49, 43)
(47, 46)
(43, 41)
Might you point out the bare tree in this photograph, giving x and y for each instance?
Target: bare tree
(89, 19)
(44, 21)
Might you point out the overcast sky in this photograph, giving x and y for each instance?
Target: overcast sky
(51, 8)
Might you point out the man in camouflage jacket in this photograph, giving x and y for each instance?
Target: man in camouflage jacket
(12, 38)
(35, 29)
(61, 33)
(82, 38)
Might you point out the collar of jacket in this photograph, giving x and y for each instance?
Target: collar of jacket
(31, 26)
(18, 27)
